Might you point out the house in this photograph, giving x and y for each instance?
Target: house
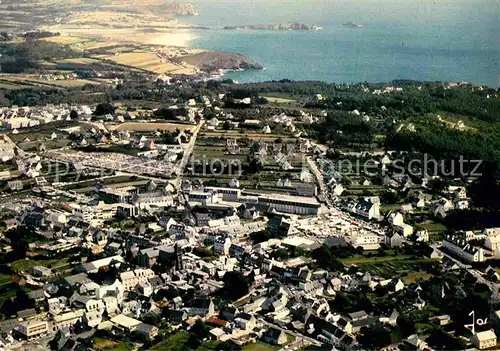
(202, 306)
(392, 319)
(306, 189)
(222, 245)
(405, 230)
(492, 242)
(422, 235)
(217, 334)
(281, 226)
(177, 316)
(245, 321)
(462, 249)
(31, 329)
(228, 313)
(396, 219)
(393, 240)
(338, 189)
(484, 340)
(145, 331)
(41, 271)
(368, 209)
(274, 336)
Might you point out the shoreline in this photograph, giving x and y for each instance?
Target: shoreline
(180, 39)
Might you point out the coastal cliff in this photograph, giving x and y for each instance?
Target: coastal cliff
(287, 26)
(182, 9)
(213, 61)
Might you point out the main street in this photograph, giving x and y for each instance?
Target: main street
(321, 181)
(188, 150)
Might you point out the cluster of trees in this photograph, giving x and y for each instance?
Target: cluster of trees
(327, 257)
(24, 57)
(443, 143)
(343, 128)
(236, 286)
(415, 99)
(39, 35)
(169, 114)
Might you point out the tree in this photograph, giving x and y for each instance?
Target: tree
(439, 340)
(226, 125)
(406, 325)
(325, 259)
(374, 337)
(73, 115)
(235, 285)
(104, 109)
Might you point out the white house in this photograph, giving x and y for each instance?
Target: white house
(396, 219)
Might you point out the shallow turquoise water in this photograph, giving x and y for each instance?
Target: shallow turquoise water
(447, 40)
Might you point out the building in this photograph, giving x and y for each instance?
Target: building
(131, 279)
(492, 231)
(204, 198)
(368, 210)
(306, 189)
(32, 329)
(222, 245)
(405, 230)
(396, 219)
(394, 240)
(117, 195)
(367, 241)
(290, 204)
(492, 242)
(157, 199)
(484, 340)
(227, 194)
(41, 271)
(274, 336)
(67, 320)
(146, 331)
(462, 249)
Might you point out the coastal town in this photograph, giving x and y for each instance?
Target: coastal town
(124, 229)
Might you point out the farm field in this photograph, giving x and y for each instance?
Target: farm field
(66, 39)
(279, 100)
(25, 80)
(149, 61)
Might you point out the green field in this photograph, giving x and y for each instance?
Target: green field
(106, 344)
(278, 100)
(26, 264)
(392, 266)
(172, 343)
(259, 346)
(433, 227)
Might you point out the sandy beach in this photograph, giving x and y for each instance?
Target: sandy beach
(172, 39)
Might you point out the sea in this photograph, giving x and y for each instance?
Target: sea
(441, 40)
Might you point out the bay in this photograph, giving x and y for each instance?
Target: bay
(447, 40)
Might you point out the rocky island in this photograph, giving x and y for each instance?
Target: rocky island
(287, 26)
(350, 24)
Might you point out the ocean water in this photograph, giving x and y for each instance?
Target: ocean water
(442, 40)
